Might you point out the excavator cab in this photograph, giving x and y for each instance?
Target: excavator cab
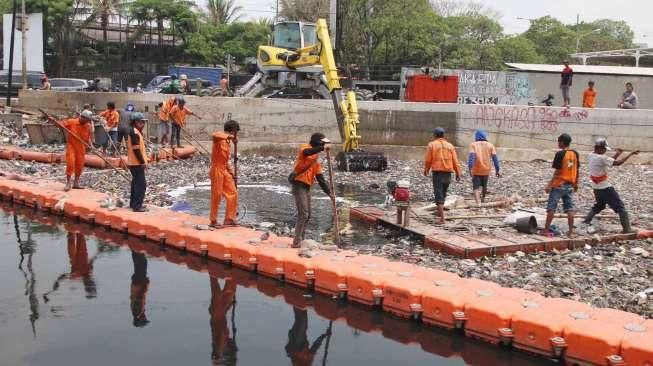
(294, 35)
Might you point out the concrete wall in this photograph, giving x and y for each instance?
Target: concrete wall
(398, 128)
(523, 87)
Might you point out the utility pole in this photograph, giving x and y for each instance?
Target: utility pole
(23, 44)
(11, 55)
(577, 32)
(276, 12)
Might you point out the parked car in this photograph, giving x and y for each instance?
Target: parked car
(33, 81)
(155, 82)
(63, 84)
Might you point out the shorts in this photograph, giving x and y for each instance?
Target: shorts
(441, 181)
(564, 192)
(565, 91)
(164, 128)
(479, 181)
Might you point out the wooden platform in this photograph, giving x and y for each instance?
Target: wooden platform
(473, 245)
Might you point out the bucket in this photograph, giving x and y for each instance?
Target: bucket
(527, 225)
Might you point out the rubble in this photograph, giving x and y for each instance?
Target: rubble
(603, 274)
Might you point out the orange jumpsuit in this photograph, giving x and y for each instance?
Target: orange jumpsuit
(75, 149)
(164, 112)
(222, 182)
(221, 301)
(112, 117)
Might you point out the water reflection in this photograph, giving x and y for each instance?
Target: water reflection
(138, 290)
(298, 349)
(224, 349)
(28, 247)
(362, 337)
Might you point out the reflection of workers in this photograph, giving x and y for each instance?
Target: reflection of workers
(138, 291)
(80, 266)
(441, 160)
(604, 192)
(112, 119)
(297, 349)
(76, 145)
(223, 176)
(306, 171)
(137, 162)
(164, 117)
(224, 345)
(178, 115)
(481, 154)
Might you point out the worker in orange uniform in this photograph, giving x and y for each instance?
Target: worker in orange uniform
(306, 171)
(78, 138)
(137, 162)
(164, 116)
(223, 345)
(223, 176)
(441, 160)
(481, 153)
(112, 119)
(138, 290)
(224, 86)
(589, 96)
(178, 115)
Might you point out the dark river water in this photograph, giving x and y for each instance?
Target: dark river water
(71, 294)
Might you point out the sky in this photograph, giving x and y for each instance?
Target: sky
(637, 13)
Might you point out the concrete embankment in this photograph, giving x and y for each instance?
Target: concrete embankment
(399, 129)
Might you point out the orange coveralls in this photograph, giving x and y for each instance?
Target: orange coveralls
(221, 301)
(222, 182)
(75, 149)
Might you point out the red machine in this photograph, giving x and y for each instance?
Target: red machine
(432, 89)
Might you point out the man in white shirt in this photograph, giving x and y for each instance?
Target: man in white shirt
(604, 193)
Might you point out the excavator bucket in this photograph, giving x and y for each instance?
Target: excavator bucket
(359, 161)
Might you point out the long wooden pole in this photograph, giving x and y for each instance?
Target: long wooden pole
(194, 139)
(236, 161)
(336, 226)
(71, 133)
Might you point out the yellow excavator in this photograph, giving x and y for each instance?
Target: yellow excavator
(301, 56)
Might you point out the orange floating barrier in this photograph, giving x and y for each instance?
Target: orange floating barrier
(179, 227)
(331, 272)
(366, 285)
(444, 304)
(271, 262)
(489, 316)
(245, 246)
(299, 270)
(403, 295)
(596, 341)
(637, 345)
(7, 154)
(538, 328)
(37, 156)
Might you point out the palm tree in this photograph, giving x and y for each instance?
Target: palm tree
(222, 11)
(103, 9)
(304, 10)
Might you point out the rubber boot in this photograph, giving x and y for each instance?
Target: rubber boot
(625, 222)
(589, 217)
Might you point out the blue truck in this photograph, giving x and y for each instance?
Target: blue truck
(211, 74)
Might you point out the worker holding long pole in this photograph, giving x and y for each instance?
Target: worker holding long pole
(178, 115)
(223, 176)
(306, 171)
(78, 138)
(81, 139)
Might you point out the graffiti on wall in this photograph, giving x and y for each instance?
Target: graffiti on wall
(486, 87)
(494, 87)
(526, 118)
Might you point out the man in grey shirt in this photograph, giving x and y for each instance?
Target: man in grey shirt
(629, 98)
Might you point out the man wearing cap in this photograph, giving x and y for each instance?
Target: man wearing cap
(137, 162)
(307, 170)
(481, 153)
(441, 160)
(79, 132)
(563, 184)
(604, 193)
(566, 78)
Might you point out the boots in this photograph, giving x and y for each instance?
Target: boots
(625, 222)
(589, 217)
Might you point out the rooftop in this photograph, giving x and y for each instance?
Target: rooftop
(585, 69)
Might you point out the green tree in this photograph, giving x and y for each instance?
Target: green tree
(473, 42)
(178, 12)
(612, 35)
(304, 10)
(222, 11)
(553, 40)
(518, 49)
(103, 9)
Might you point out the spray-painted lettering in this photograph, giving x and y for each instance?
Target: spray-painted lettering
(535, 119)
